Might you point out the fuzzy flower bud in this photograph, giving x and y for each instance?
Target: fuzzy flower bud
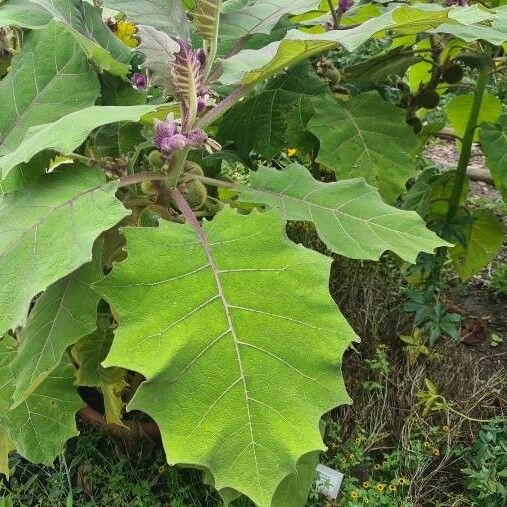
(344, 5)
(139, 81)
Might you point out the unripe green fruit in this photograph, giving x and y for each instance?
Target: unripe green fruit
(333, 75)
(155, 159)
(193, 168)
(452, 73)
(428, 99)
(415, 123)
(195, 193)
(149, 188)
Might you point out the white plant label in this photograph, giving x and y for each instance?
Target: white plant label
(328, 481)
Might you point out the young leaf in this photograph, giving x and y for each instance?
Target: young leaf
(240, 317)
(67, 133)
(64, 313)
(47, 231)
(349, 216)
(89, 353)
(165, 15)
(494, 146)
(276, 118)
(39, 427)
(206, 18)
(458, 111)
(365, 136)
(49, 79)
(484, 237)
(158, 49)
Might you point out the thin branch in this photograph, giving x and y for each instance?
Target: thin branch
(334, 14)
(223, 106)
(133, 179)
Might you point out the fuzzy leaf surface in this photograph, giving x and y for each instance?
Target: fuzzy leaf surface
(64, 313)
(69, 132)
(47, 231)
(484, 237)
(206, 18)
(158, 49)
(494, 146)
(350, 216)
(49, 79)
(214, 312)
(368, 137)
(165, 15)
(260, 16)
(40, 426)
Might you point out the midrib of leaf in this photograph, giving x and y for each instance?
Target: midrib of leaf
(203, 240)
(34, 101)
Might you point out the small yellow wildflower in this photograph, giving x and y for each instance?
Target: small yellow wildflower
(392, 488)
(382, 346)
(344, 460)
(351, 455)
(436, 451)
(426, 444)
(384, 463)
(376, 466)
(161, 469)
(402, 481)
(380, 487)
(445, 428)
(291, 152)
(125, 31)
(357, 440)
(366, 484)
(354, 495)
(365, 500)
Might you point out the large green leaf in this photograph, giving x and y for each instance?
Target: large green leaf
(260, 16)
(458, 111)
(365, 136)
(41, 425)
(484, 237)
(49, 79)
(349, 216)
(165, 15)
(47, 231)
(67, 133)
(64, 313)
(494, 146)
(82, 20)
(239, 340)
(276, 118)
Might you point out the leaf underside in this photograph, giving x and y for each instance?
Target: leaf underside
(239, 340)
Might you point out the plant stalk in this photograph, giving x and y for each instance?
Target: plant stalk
(466, 146)
(334, 14)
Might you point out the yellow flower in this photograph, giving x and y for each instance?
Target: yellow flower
(402, 481)
(382, 346)
(365, 500)
(357, 440)
(291, 152)
(380, 487)
(426, 444)
(436, 451)
(376, 466)
(344, 460)
(125, 31)
(384, 463)
(392, 488)
(351, 455)
(161, 469)
(445, 428)
(354, 495)
(366, 484)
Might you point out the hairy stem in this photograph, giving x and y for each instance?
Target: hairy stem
(213, 182)
(176, 168)
(466, 147)
(334, 14)
(223, 106)
(133, 179)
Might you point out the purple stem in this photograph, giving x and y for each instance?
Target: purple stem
(217, 111)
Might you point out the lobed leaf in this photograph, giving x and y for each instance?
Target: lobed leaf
(349, 216)
(69, 132)
(47, 231)
(39, 427)
(368, 137)
(241, 318)
(206, 18)
(64, 313)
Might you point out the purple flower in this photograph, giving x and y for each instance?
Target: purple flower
(457, 3)
(202, 102)
(196, 138)
(344, 5)
(139, 81)
(173, 143)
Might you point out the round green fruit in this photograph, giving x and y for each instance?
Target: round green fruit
(155, 159)
(428, 99)
(195, 194)
(452, 73)
(415, 123)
